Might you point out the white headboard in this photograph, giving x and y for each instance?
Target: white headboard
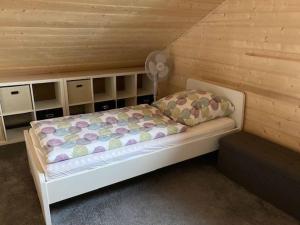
(236, 97)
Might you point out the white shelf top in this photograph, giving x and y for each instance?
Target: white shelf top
(14, 80)
(47, 104)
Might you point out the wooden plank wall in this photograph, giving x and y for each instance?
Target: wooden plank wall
(48, 36)
(254, 46)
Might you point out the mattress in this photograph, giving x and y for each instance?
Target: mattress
(74, 136)
(88, 162)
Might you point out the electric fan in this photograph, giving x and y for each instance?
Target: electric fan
(158, 67)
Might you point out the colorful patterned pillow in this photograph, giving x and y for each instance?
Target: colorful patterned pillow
(194, 107)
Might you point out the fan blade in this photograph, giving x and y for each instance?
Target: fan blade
(163, 74)
(161, 57)
(152, 68)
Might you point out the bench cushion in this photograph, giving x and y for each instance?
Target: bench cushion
(269, 170)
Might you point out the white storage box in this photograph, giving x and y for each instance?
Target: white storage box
(79, 91)
(15, 99)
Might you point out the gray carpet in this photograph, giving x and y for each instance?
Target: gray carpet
(190, 193)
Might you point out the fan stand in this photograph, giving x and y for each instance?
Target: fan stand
(155, 88)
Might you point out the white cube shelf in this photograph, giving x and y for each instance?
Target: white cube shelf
(67, 94)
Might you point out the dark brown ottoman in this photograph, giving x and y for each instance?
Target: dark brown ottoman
(269, 170)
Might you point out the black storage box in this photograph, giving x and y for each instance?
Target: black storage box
(103, 106)
(147, 99)
(269, 170)
(49, 113)
(121, 103)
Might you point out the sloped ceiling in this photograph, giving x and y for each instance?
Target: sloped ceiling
(45, 36)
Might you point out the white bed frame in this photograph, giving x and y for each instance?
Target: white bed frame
(55, 190)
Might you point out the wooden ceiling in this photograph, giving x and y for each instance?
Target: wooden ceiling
(47, 36)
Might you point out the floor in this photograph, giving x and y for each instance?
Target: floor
(190, 193)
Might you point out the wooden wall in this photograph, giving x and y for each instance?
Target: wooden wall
(254, 46)
(44, 36)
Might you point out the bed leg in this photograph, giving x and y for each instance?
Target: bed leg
(45, 202)
(39, 180)
(47, 214)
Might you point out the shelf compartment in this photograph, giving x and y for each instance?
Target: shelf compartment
(15, 126)
(103, 106)
(18, 120)
(80, 103)
(104, 89)
(47, 104)
(47, 95)
(15, 99)
(147, 99)
(81, 109)
(144, 85)
(126, 86)
(15, 135)
(126, 102)
(79, 91)
(49, 114)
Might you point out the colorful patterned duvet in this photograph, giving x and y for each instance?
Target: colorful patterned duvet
(75, 136)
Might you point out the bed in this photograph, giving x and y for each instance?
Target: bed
(91, 172)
